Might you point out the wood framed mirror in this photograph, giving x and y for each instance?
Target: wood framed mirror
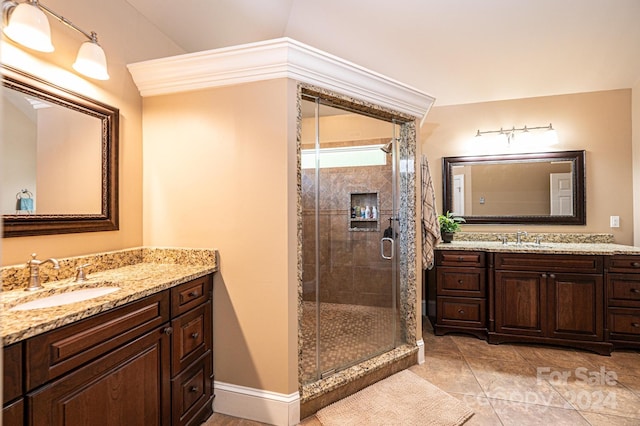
(537, 188)
(59, 159)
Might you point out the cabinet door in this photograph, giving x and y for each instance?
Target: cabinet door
(576, 306)
(128, 386)
(519, 303)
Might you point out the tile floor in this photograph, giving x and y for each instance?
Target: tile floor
(524, 384)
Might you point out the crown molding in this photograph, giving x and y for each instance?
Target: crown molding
(271, 59)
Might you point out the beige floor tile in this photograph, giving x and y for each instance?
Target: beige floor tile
(596, 419)
(555, 358)
(218, 419)
(514, 381)
(614, 399)
(483, 412)
(472, 347)
(520, 414)
(630, 382)
(449, 375)
(440, 344)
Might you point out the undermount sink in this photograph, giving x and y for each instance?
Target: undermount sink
(65, 298)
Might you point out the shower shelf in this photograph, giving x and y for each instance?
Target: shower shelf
(359, 200)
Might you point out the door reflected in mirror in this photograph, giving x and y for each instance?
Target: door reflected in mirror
(519, 188)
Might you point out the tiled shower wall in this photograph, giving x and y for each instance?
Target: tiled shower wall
(351, 268)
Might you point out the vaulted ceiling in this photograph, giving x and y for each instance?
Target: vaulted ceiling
(459, 51)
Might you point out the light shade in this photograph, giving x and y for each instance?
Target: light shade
(29, 26)
(91, 61)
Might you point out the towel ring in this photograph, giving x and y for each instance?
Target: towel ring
(21, 194)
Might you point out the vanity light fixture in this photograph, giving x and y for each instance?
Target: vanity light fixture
(550, 136)
(26, 24)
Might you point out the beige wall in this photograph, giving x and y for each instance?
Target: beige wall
(598, 122)
(132, 39)
(636, 161)
(220, 170)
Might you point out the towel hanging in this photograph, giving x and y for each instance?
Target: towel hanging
(430, 225)
(24, 201)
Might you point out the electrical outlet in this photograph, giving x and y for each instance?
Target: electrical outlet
(614, 221)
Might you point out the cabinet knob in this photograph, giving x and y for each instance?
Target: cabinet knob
(460, 259)
(461, 311)
(635, 290)
(635, 324)
(194, 294)
(635, 264)
(460, 281)
(168, 330)
(552, 275)
(194, 335)
(544, 275)
(193, 389)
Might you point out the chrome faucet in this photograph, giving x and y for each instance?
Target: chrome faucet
(519, 235)
(34, 267)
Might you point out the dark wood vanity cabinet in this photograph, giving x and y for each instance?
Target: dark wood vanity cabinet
(12, 400)
(585, 301)
(623, 301)
(145, 363)
(549, 298)
(461, 299)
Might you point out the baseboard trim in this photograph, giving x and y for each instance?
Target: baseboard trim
(257, 404)
(420, 344)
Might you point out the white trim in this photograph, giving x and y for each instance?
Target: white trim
(420, 344)
(277, 58)
(257, 404)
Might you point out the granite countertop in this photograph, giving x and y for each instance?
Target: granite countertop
(544, 247)
(135, 281)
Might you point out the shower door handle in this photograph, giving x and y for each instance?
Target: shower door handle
(382, 248)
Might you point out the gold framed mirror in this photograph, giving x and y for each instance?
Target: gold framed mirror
(59, 159)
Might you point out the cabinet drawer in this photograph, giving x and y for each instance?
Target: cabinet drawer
(191, 337)
(467, 282)
(583, 264)
(191, 389)
(621, 263)
(51, 354)
(624, 321)
(190, 294)
(460, 258)
(623, 290)
(460, 311)
(13, 414)
(12, 370)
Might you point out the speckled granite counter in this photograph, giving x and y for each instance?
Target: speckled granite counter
(547, 248)
(137, 272)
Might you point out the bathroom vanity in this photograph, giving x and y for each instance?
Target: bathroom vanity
(144, 356)
(579, 295)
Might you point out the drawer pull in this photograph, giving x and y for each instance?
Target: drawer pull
(460, 281)
(635, 324)
(461, 311)
(544, 275)
(460, 259)
(194, 294)
(168, 330)
(193, 389)
(635, 290)
(194, 335)
(635, 264)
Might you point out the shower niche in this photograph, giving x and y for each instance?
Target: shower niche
(364, 212)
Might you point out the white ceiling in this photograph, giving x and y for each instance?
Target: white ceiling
(459, 51)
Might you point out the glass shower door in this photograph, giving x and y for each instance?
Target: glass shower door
(349, 240)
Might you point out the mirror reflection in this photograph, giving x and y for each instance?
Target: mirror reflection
(520, 188)
(59, 159)
(51, 158)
